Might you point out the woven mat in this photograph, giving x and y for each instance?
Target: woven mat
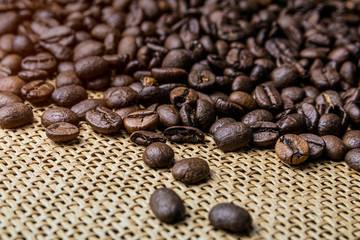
(98, 188)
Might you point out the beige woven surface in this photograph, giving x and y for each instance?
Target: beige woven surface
(98, 187)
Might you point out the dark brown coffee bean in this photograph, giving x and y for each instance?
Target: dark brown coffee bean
(15, 115)
(67, 78)
(229, 216)
(62, 132)
(11, 84)
(316, 144)
(98, 83)
(41, 61)
(311, 115)
(167, 205)
(184, 134)
(329, 123)
(265, 134)
(351, 95)
(202, 81)
(353, 110)
(295, 94)
(242, 83)
(122, 80)
(127, 45)
(59, 114)
(311, 91)
(86, 105)
(168, 115)
(169, 75)
(220, 123)
(352, 158)
(66, 66)
(22, 45)
(177, 58)
(351, 139)
(91, 67)
(7, 98)
(329, 98)
(284, 76)
(340, 54)
(335, 148)
(141, 120)
(10, 20)
(233, 136)
(348, 72)
(226, 108)
(125, 111)
(191, 170)
(257, 115)
(293, 123)
(292, 149)
(118, 97)
(103, 120)
(37, 91)
(69, 95)
(31, 75)
(243, 99)
(312, 53)
(12, 62)
(88, 48)
(181, 95)
(60, 34)
(158, 155)
(146, 138)
(279, 47)
(324, 78)
(201, 115)
(268, 97)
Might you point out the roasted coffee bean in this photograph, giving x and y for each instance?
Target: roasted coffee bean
(311, 91)
(66, 66)
(352, 158)
(31, 75)
(167, 205)
(220, 123)
(11, 84)
(169, 75)
(125, 111)
(268, 97)
(184, 134)
(229, 216)
(293, 123)
(86, 105)
(226, 108)
(91, 67)
(292, 149)
(41, 61)
(243, 99)
(284, 76)
(181, 95)
(311, 115)
(118, 97)
(141, 120)
(177, 58)
(103, 120)
(351, 95)
(153, 94)
(158, 155)
(200, 115)
(7, 98)
(340, 54)
(257, 115)
(279, 47)
(351, 139)
(67, 78)
(88, 48)
(295, 94)
(353, 110)
(127, 45)
(202, 81)
(98, 83)
(233, 136)
(62, 132)
(329, 98)
(191, 170)
(58, 114)
(37, 91)
(329, 124)
(146, 138)
(348, 73)
(168, 115)
(11, 62)
(335, 148)
(69, 95)
(122, 80)
(22, 45)
(265, 134)
(15, 115)
(242, 83)
(60, 34)
(325, 78)
(316, 144)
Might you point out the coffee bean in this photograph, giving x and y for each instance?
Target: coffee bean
(329, 98)
(202, 81)
(220, 123)
(86, 105)
(293, 123)
(295, 94)
(316, 144)
(226, 108)
(66, 66)
(22, 45)
(311, 115)
(169, 75)
(88, 48)
(229, 216)
(41, 61)
(191, 170)
(177, 58)
(103, 120)
(167, 205)
(340, 54)
(329, 123)
(324, 78)
(7, 98)
(352, 158)
(292, 149)
(11, 84)
(67, 78)
(69, 95)
(351, 139)
(127, 45)
(242, 83)
(37, 91)
(146, 137)
(15, 115)
(58, 114)
(181, 95)
(12, 62)
(60, 34)
(118, 97)
(257, 115)
(268, 97)
(122, 80)
(31, 75)
(141, 120)
(10, 20)
(158, 155)
(284, 76)
(184, 134)
(233, 136)
(200, 115)
(62, 132)
(98, 83)
(353, 110)
(125, 111)
(91, 67)
(265, 134)
(243, 99)
(335, 148)
(168, 115)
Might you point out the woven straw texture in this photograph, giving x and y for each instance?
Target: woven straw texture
(97, 187)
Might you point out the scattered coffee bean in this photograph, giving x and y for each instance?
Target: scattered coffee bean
(118, 97)
(257, 115)
(69, 95)
(168, 115)
(37, 91)
(220, 123)
(335, 148)
(316, 144)
(67, 78)
(233, 136)
(7, 98)
(352, 158)
(11, 84)
(58, 114)
(191, 170)
(265, 134)
(158, 155)
(81, 108)
(351, 139)
(292, 149)
(141, 120)
(146, 137)
(103, 120)
(62, 132)
(15, 115)
(125, 111)
(184, 134)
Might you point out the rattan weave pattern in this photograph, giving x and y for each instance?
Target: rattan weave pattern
(98, 188)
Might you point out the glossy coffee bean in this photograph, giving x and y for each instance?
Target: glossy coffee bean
(220, 123)
(15, 115)
(229, 216)
(243, 99)
(177, 58)
(158, 155)
(225, 108)
(11, 84)
(41, 61)
(200, 115)
(118, 97)
(351, 139)
(62, 132)
(103, 120)
(292, 149)
(268, 97)
(169, 75)
(265, 134)
(184, 134)
(233, 136)
(168, 115)
(67, 78)
(352, 158)
(141, 120)
(293, 123)
(125, 111)
(284, 76)
(325, 78)
(86, 105)
(311, 115)
(329, 124)
(31, 75)
(181, 95)
(7, 98)
(91, 67)
(146, 138)
(353, 110)
(335, 148)
(69, 95)
(58, 114)
(191, 170)
(201, 80)
(167, 205)
(37, 91)
(316, 144)
(257, 115)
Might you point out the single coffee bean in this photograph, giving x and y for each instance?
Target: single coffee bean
(200, 115)
(284, 76)
(295, 94)
(63, 35)
(257, 115)
(141, 120)
(103, 120)
(146, 138)
(181, 95)
(91, 67)
(242, 83)
(293, 123)
(265, 134)
(88, 48)
(98, 83)
(158, 155)
(268, 97)
(329, 98)
(292, 149)
(62, 132)
(352, 158)
(178, 58)
(22, 45)
(351, 139)
(335, 148)
(325, 78)
(168, 115)
(353, 110)
(11, 84)
(37, 91)
(220, 123)
(67, 78)
(66, 66)
(69, 95)
(86, 105)
(311, 91)
(226, 108)
(58, 114)
(202, 81)
(167, 205)
(229, 216)
(122, 80)
(125, 111)
(118, 97)
(233, 136)
(316, 144)
(11, 62)
(15, 115)
(329, 124)
(169, 75)
(7, 98)
(184, 134)
(31, 75)
(41, 61)
(243, 99)
(311, 115)
(191, 170)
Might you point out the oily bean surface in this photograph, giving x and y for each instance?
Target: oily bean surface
(62, 132)
(15, 115)
(158, 155)
(191, 170)
(292, 149)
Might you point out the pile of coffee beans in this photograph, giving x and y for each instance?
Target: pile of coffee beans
(259, 73)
